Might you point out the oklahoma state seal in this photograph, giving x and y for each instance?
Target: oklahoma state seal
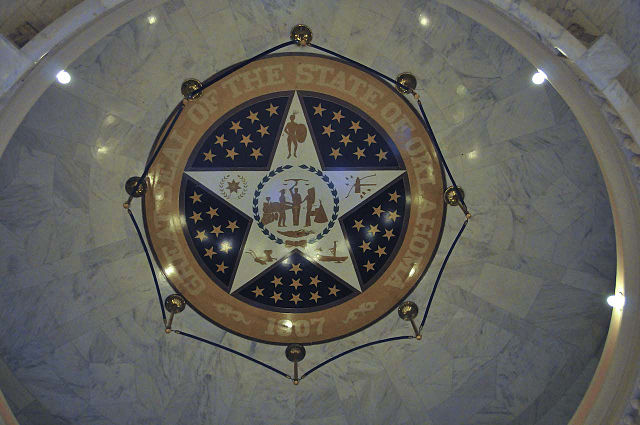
(298, 200)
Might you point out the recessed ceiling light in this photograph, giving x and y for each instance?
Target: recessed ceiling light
(152, 19)
(539, 77)
(424, 21)
(616, 301)
(63, 77)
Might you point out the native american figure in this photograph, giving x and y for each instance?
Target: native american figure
(296, 133)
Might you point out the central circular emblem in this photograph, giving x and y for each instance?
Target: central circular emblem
(298, 200)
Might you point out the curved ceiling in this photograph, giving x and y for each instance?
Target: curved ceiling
(516, 326)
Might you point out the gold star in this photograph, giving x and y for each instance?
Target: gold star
(217, 230)
(225, 247)
(378, 210)
(315, 281)
(355, 126)
(337, 116)
(394, 196)
(276, 296)
(315, 297)
(318, 110)
(359, 153)
(388, 233)
(256, 153)
(369, 265)
(327, 130)
(235, 126)
(195, 217)
(208, 156)
(295, 298)
(220, 140)
(200, 235)
(295, 268)
(371, 138)
(357, 224)
(335, 153)
(209, 252)
(276, 281)
(221, 267)
(381, 251)
(295, 283)
(212, 212)
(346, 140)
(258, 291)
(231, 153)
(246, 140)
(253, 116)
(263, 130)
(195, 197)
(393, 215)
(273, 110)
(334, 290)
(381, 155)
(365, 246)
(232, 225)
(373, 229)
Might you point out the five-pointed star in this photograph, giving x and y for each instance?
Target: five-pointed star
(231, 153)
(208, 156)
(220, 140)
(357, 224)
(295, 268)
(209, 252)
(221, 267)
(371, 138)
(246, 139)
(381, 251)
(232, 225)
(256, 153)
(276, 297)
(253, 116)
(337, 116)
(394, 196)
(346, 139)
(388, 233)
(335, 153)
(392, 215)
(318, 110)
(217, 230)
(327, 130)
(295, 283)
(377, 210)
(315, 281)
(235, 126)
(365, 246)
(273, 110)
(359, 153)
(225, 247)
(258, 291)
(369, 265)
(315, 297)
(200, 235)
(295, 298)
(263, 130)
(355, 126)
(276, 281)
(334, 290)
(195, 197)
(233, 186)
(373, 229)
(195, 217)
(381, 155)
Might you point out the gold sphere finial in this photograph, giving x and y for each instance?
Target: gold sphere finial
(301, 34)
(125, 205)
(188, 87)
(419, 337)
(406, 82)
(296, 381)
(167, 331)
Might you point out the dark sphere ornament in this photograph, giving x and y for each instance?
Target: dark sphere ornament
(301, 34)
(130, 187)
(295, 352)
(452, 196)
(408, 310)
(407, 80)
(174, 303)
(189, 87)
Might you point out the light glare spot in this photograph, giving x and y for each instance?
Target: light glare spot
(152, 20)
(63, 77)
(539, 77)
(616, 301)
(424, 21)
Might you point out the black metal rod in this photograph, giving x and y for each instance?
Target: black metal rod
(231, 350)
(444, 263)
(153, 272)
(344, 353)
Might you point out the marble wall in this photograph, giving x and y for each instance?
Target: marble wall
(38, 13)
(517, 324)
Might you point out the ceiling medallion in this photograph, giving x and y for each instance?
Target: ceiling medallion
(294, 199)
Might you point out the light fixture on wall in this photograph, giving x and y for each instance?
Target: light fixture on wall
(63, 77)
(616, 300)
